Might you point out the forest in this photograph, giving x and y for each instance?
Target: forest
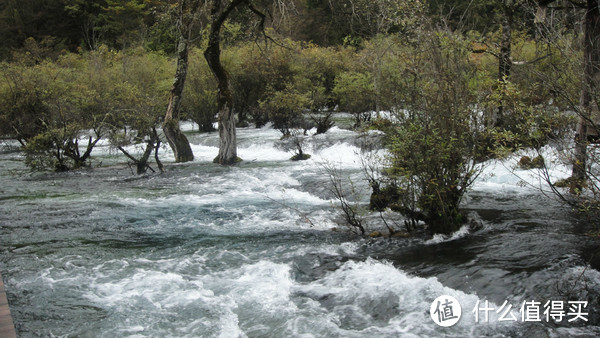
(241, 168)
(468, 81)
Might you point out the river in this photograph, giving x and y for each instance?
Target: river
(257, 250)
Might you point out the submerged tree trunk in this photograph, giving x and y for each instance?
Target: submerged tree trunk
(152, 144)
(227, 133)
(72, 152)
(176, 139)
(591, 78)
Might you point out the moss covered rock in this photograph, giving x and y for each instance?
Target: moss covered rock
(300, 157)
(375, 234)
(527, 162)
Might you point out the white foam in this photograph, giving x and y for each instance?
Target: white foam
(340, 155)
(262, 152)
(339, 131)
(162, 289)
(440, 238)
(229, 326)
(240, 187)
(262, 298)
(265, 284)
(344, 249)
(359, 289)
(202, 153)
(505, 176)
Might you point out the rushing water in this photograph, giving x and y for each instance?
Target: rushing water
(250, 250)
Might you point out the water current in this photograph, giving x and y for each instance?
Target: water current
(256, 250)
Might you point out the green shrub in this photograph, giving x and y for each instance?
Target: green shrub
(200, 93)
(285, 109)
(432, 145)
(356, 94)
(60, 109)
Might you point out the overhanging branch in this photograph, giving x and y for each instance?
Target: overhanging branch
(261, 24)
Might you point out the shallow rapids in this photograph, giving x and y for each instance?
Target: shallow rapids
(251, 251)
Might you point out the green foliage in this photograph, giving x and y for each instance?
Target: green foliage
(45, 109)
(23, 101)
(285, 109)
(283, 84)
(140, 84)
(312, 74)
(120, 20)
(162, 36)
(316, 72)
(526, 124)
(479, 15)
(356, 94)
(73, 24)
(56, 149)
(543, 83)
(248, 79)
(200, 93)
(255, 73)
(36, 19)
(368, 18)
(292, 84)
(433, 144)
(60, 110)
(137, 86)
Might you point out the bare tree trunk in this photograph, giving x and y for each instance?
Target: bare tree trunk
(505, 62)
(227, 133)
(142, 163)
(591, 79)
(176, 139)
(504, 59)
(156, 149)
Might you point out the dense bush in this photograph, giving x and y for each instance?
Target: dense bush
(433, 143)
(356, 92)
(200, 93)
(290, 85)
(60, 109)
(145, 80)
(258, 74)
(45, 106)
